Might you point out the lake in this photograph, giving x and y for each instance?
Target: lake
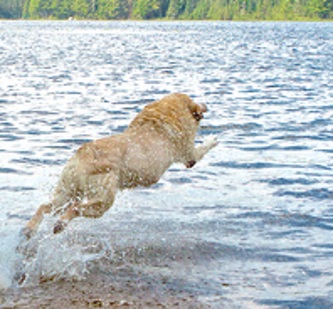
(250, 226)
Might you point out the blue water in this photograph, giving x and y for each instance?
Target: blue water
(250, 226)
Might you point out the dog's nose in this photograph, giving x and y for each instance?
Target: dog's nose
(203, 107)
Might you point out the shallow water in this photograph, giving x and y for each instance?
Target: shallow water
(249, 226)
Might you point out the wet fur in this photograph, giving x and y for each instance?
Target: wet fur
(161, 134)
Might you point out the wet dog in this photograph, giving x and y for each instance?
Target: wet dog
(161, 134)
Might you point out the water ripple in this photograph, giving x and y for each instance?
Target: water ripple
(248, 226)
(319, 194)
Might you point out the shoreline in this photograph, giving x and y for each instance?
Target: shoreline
(111, 288)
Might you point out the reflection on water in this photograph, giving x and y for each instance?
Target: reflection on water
(250, 226)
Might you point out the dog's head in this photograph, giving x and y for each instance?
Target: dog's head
(197, 110)
(177, 111)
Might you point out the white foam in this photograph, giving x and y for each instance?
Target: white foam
(9, 257)
(66, 255)
(5, 278)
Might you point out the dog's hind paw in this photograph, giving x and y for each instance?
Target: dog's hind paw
(59, 227)
(27, 232)
(20, 278)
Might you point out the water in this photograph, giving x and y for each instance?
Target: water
(250, 226)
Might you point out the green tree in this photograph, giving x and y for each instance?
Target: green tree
(145, 9)
(319, 8)
(176, 8)
(33, 8)
(80, 8)
(172, 9)
(113, 9)
(60, 9)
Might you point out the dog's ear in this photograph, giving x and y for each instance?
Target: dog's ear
(197, 111)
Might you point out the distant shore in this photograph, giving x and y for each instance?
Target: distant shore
(169, 20)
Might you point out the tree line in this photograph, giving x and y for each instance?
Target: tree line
(168, 9)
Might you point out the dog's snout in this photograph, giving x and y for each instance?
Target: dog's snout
(200, 109)
(203, 107)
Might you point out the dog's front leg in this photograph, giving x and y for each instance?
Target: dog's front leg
(201, 150)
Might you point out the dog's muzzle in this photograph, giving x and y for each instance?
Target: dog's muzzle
(198, 115)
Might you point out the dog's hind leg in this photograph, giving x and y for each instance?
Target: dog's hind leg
(61, 197)
(99, 202)
(32, 226)
(91, 209)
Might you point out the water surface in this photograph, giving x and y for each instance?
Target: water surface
(249, 226)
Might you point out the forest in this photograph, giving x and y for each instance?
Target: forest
(168, 9)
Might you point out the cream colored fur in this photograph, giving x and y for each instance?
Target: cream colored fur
(161, 134)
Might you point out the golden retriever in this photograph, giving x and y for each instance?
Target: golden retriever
(161, 134)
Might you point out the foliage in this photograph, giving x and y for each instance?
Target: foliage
(170, 9)
(112, 9)
(11, 8)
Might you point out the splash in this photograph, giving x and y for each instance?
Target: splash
(9, 257)
(47, 257)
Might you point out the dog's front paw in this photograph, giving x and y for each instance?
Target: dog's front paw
(211, 142)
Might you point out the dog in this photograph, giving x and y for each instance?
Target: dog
(163, 133)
